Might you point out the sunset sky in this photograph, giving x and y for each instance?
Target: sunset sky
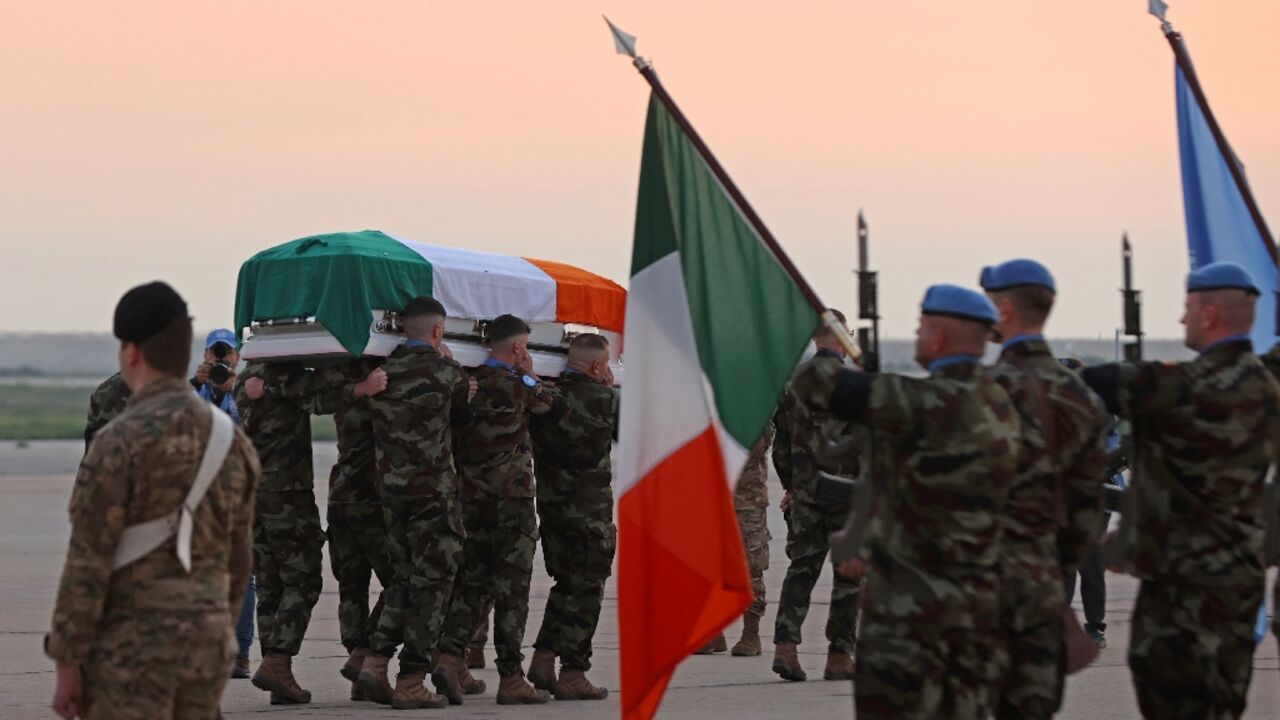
(174, 140)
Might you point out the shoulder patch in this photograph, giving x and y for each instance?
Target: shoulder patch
(529, 381)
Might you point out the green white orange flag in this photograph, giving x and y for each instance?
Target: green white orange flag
(715, 326)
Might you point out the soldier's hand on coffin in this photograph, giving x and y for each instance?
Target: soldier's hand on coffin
(524, 362)
(785, 503)
(255, 388)
(445, 350)
(375, 383)
(472, 387)
(608, 376)
(853, 568)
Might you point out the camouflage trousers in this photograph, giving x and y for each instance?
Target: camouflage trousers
(502, 536)
(809, 528)
(287, 547)
(755, 539)
(1033, 639)
(425, 539)
(136, 670)
(357, 551)
(1191, 650)
(916, 671)
(578, 545)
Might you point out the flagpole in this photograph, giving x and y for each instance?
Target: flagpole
(1183, 59)
(626, 45)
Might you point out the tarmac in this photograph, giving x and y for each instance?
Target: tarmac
(35, 482)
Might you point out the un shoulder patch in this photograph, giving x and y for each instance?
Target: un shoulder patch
(529, 381)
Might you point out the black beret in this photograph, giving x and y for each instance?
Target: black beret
(504, 327)
(423, 305)
(146, 310)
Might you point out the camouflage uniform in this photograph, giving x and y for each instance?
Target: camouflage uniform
(1272, 362)
(287, 538)
(1050, 522)
(152, 639)
(497, 504)
(107, 401)
(751, 501)
(415, 421)
(356, 528)
(575, 509)
(947, 451)
(1205, 432)
(801, 449)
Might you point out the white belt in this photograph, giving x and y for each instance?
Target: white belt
(137, 541)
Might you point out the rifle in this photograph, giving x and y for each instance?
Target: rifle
(1125, 501)
(847, 543)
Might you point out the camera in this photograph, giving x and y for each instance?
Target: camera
(220, 350)
(219, 372)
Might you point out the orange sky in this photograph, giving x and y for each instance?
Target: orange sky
(173, 140)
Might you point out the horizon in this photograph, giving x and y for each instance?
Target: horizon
(150, 140)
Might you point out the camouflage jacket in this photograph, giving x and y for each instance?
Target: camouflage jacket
(354, 477)
(752, 491)
(947, 447)
(416, 421)
(138, 469)
(808, 439)
(1055, 505)
(106, 402)
(1205, 433)
(280, 422)
(571, 453)
(494, 452)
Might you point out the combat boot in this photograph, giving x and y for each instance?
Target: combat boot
(372, 681)
(839, 665)
(749, 644)
(275, 675)
(240, 671)
(475, 657)
(410, 693)
(351, 669)
(514, 690)
(574, 685)
(716, 644)
(787, 663)
(448, 677)
(471, 685)
(542, 670)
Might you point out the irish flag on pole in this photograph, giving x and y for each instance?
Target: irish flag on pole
(715, 326)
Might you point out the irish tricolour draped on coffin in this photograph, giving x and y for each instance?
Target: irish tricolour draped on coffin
(338, 295)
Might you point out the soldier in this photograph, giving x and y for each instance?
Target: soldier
(497, 501)
(358, 547)
(414, 423)
(1205, 432)
(948, 450)
(1055, 505)
(750, 502)
(142, 626)
(814, 508)
(276, 402)
(575, 512)
(107, 401)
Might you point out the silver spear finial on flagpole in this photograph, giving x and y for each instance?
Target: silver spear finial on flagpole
(625, 44)
(1159, 8)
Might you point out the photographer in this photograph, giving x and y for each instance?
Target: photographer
(215, 381)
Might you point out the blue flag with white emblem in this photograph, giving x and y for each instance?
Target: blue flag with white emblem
(1223, 223)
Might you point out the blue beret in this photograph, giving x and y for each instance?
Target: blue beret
(221, 335)
(1016, 273)
(1221, 276)
(959, 302)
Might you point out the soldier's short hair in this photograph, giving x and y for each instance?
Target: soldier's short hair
(589, 341)
(823, 330)
(1031, 303)
(423, 306)
(169, 351)
(505, 327)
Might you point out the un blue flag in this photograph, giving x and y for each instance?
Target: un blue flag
(1221, 225)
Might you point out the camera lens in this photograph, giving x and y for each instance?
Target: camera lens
(219, 373)
(220, 350)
